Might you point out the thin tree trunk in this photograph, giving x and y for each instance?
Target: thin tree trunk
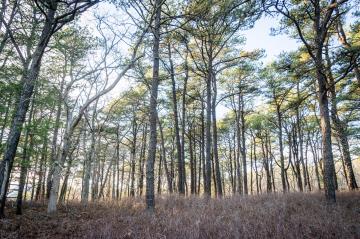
(266, 163)
(159, 173)
(25, 163)
(180, 165)
(183, 118)
(281, 148)
(142, 160)
(243, 141)
(42, 164)
(217, 175)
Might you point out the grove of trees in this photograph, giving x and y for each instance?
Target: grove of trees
(102, 100)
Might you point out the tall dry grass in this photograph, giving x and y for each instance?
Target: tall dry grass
(292, 215)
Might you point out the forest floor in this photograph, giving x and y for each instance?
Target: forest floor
(293, 215)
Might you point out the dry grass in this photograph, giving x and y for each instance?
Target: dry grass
(266, 216)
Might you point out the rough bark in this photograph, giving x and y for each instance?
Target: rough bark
(340, 127)
(150, 192)
(29, 79)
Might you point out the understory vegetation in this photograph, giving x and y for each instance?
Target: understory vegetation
(293, 215)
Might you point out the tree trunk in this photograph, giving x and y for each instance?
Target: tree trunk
(53, 154)
(29, 79)
(163, 152)
(215, 140)
(42, 174)
(203, 144)
(183, 118)
(192, 165)
(238, 150)
(266, 163)
(25, 163)
(57, 174)
(159, 173)
(281, 148)
(133, 155)
(150, 193)
(340, 127)
(243, 141)
(329, 167)
(207, 185)
(89, 159)
(142, 160)
(300, 137)
(181, 168)
(5, 119)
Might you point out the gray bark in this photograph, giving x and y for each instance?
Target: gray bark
(150, 192)
(29, 79)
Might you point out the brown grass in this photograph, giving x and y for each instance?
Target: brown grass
(292, 215)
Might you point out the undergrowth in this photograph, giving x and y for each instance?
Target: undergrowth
(292, 215)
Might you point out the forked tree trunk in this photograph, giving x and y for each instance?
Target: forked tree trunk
(53, 154)
(340, 127)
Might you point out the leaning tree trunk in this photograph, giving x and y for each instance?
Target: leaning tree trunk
(29, 79)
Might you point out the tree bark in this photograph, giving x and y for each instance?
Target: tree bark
(29, 79)
(25, 163)
(53, 154)
(281, 148)
(219, 190)
(243, 141)
(180, 164)
(150, 192)
(340, 127)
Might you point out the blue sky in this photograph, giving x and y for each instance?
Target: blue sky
(259, 38)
